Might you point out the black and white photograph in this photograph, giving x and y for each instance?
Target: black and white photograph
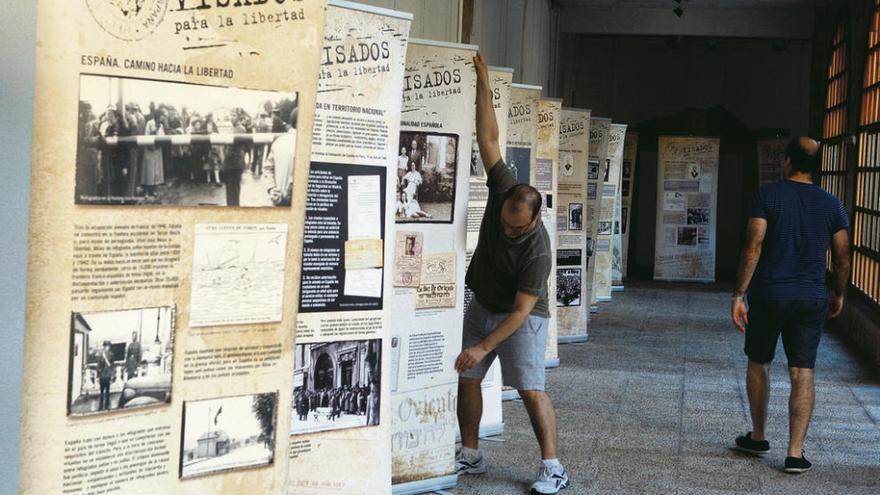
(589, 246)
(228, 433)
(477, 169)
(120, 360)
(626, 172)
(575, 216)
(568, 287)
(336, 385)
(520, 162)
(150, 142)
(624, 188)
(605, 228)
(426, 192)
(698, 216)
(593, 170)
(624, 213)
(686, 236)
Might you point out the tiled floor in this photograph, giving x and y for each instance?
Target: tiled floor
(652, 402)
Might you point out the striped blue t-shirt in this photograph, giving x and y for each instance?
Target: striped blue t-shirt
(801, 219)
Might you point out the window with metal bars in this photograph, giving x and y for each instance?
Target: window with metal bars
(833, 172)
(866, 210)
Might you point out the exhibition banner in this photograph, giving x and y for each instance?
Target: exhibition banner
(341, 384)
(437, 122)
(771, 160)
(492, 421)
(598, 163)
(607, 204)
(627, 186)
(617, 239)
(170, 164)
(687, 184)
(546, 180)
(571, 272)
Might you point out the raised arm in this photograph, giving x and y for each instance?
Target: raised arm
(748, 261)
(487, 126)
(841, 264)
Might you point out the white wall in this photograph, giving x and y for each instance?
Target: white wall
(18, 36)
(433, 19)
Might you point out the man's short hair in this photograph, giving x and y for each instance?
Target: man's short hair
(525, 195)
(801, 160)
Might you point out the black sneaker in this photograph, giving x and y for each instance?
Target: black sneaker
(754, 447)
(796, 465)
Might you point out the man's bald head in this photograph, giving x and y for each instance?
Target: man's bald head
(521, 210)
(802, 155)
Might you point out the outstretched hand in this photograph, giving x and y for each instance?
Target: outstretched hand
(469, 358)
(481, 67)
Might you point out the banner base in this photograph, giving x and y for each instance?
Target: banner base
(594, 309)
(551, 363)
(604, 299)
(511, 394)
(572, 339)
(425, 486)
(617, 288)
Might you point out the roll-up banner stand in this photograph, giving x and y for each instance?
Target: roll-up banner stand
(687, 185)
(571, 270)
(165, 248)
(771, 159)
(617, 239)
(341, 418)
(627, 184)
(521, 153)
(437, 122)
(607, 203)
(546, 182)
(600, 130)
(492, 421)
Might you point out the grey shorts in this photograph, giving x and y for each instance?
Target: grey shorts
(521, 355)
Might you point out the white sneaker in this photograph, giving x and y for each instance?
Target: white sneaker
(550, 480)
(464, 465)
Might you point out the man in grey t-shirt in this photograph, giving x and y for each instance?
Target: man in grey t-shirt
(508, 314)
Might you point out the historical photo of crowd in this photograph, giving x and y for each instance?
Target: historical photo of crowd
(154, 142)
(426, 177)
(120, 360)
(228, 433)
(568, 287)
(336, 385)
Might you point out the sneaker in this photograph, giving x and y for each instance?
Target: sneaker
(796, 465)
(550, 480)
(754, 447)
(464, 465)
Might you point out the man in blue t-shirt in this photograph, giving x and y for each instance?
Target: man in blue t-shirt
(792, 223)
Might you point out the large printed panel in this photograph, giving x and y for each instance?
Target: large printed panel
(170, 165)
(600, 131)
(607, 214)
(627, 186)
(341, 388)
(571, 273)
(546, 180)
(438, 100)
(687, 183)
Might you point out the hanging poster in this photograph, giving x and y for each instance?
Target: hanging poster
(571, 304)
(492, 421)
(600, 131)
(627, 187)
(437, 122)
(546, 180)
(341, 415)
(170, 164)
(617, 240)
(604, 247)
(771, 159)
(687, 184)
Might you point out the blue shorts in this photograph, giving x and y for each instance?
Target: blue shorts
(800, 322)
(521, 355)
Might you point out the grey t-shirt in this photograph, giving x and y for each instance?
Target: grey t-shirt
(502, 266)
